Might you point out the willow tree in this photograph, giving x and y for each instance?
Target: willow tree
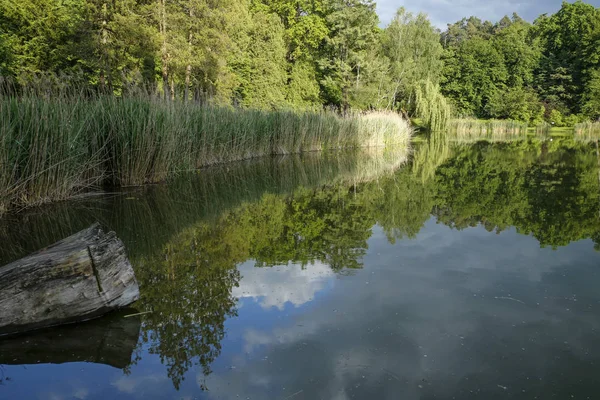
(432, 107)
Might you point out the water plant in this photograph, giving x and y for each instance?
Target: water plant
(493, 130)
(587, 131)
(52, 148)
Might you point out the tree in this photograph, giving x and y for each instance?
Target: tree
(474, 71)
(570, 40)
(517, 104)
(353, 32)
(116, 44)
(591, 96)
(39, 33)
(466, 29)
(263, 84)
(521, 52)
(412, 46)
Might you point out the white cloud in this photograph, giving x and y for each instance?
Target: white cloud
(426, 311)
(276, 286)
(81, 394)
(130, 384)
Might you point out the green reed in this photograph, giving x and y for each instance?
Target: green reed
(493, 130)
(543, 129)
(52, 148)
(587, 131)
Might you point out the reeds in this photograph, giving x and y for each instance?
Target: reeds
(52, 148)
(543, 129)
(491, 130)
(587, 131)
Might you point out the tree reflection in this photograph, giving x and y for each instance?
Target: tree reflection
(188, 288)
(187, 239)
(548, 190)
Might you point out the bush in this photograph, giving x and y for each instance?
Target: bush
(556, 118)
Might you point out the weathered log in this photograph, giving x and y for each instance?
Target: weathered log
(109, 340)
(76, 279)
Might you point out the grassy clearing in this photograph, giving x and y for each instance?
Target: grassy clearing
(587, 131)
(51, 149)
(492, 130)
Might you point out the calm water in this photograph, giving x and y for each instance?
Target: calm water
(470, 271)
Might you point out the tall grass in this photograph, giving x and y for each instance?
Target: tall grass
(543, 129)
(54, 147)
(493, 130)
(587, 131)
(47, 152)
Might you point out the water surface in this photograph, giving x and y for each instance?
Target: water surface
(468, 271)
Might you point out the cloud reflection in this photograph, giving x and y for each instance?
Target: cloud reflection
(277, 286)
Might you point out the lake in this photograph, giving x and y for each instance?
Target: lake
(457, 271)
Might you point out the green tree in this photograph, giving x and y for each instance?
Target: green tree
(117, 44)
(520, 50)
(591, 96)
(264, 85)
(474, 71)
(39, 34)
(466, 29)
(517, 104)
(353, 33)
(412, 46)
(570, 40)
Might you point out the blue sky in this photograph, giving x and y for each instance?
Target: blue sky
(442, 12)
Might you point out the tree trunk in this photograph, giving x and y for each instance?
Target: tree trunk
(104, 73)
(76, 279)
(165, 54)
(188, 68)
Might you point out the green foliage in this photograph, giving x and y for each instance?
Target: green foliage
(305, 25)
(303, 88)
(591, 96)
(556, 118)
(517, 104)
(346, 57)
(474, 71)
(570, 40)
(265, 85)
(432, 107)
(40, 34)
(411, 44)
(307, 54)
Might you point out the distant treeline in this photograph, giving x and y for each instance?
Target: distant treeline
(306, 54)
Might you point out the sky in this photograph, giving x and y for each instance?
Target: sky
(442, 12)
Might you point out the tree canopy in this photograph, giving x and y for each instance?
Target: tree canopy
(309, 54)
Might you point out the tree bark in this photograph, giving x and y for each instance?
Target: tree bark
(188, 68)
(164, 50)
(76, 279)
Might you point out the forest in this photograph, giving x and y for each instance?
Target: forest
(309, 55)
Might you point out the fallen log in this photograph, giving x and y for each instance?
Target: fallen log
(109, 340)
(78, 278)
